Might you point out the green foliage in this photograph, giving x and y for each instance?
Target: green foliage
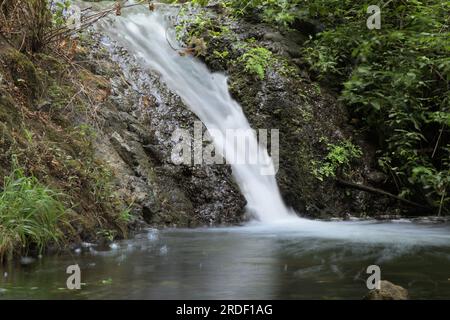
(30, 214)
(221, 55)
(201, 3)
(395, 79)
(198, 29)
(281, 12)
(256, 61)
(198, 26)
(101, 186)
(339, 157)
(125, 216)
(107, 234)
(322, 58)
(222, 32)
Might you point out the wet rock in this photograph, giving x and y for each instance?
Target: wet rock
(387, 291)
(148, 213)
(376, 177)
(282, 45)
(138, 119)
(123, 148)
(388, 217)
(27, 260)
(153, 152)
(273, 36)
(432, 219)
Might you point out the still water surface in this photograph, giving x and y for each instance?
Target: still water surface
(325, 260)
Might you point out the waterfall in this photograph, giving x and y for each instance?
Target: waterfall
(145, 35)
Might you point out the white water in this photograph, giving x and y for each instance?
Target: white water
(206, 94)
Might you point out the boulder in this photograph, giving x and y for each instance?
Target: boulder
(387, 291)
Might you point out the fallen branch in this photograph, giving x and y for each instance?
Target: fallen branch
(382, 192)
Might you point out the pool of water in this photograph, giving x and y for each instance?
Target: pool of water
(302, 260)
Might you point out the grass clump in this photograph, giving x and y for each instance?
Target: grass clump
(30, 215)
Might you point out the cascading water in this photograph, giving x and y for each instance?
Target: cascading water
(206, 94)
(145, 34)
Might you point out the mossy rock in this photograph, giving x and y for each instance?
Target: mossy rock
(8, 111)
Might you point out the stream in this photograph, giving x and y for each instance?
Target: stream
(257, 261)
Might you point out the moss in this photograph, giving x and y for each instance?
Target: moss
(94, 81)
(23, 71)
(8, 112)
(306, 113)
(59, 95)
(9, 120)
(52, 65)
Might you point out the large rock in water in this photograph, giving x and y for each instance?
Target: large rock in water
(387, 291)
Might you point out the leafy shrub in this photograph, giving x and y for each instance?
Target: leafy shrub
(396, 80)
(281, 12)
(256, 61)
(339, 157)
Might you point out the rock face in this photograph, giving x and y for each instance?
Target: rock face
(387, 291)
(137, 122)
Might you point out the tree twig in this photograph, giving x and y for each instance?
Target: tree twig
(437, 142)
(86, 22)
(442, 202)
(382, 192)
